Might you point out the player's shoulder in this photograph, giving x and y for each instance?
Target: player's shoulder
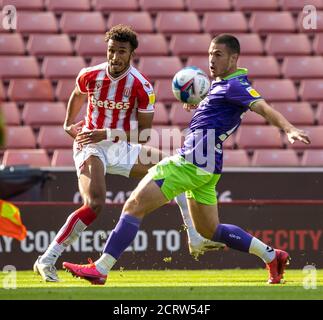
(91, 69)
(141, 78)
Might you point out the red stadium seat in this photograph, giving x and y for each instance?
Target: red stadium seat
(276, 89)
(265, 22)
(190, 44)
(177, 22)
(62, 67)
(64, 89)
(23, 4)
(159, 67)
(179, 116)
(62, 158)
(316, 29)
(229, 22)
(91, 45)
(113, 5)
(163, 90)
(30, 90)
(312, 158)
(97, 60)
(319, 113)
(54, 137)
(311, 90)
(10, 113)
(82, 22)
(167, 5)
(253, 118)
(250, 137)
(18, 137)
(11, 44)
(302, 67)
(34, 158)
(49, 44)
(230, 142)
(315, 133)
(2, 92)
(253, 5)
(287, 44)
(235, 158)
(250, 43)
(318, 43)
(298, 113)
(41, 113)
(18, 67)
(208, 5)
(298, 5)
(275, 158)
(63, 5)
(260, 67)
(140, 21)
(201, 62)
(161, 116)
(36, 22)
(153, 44)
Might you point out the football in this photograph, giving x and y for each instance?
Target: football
(190, 85)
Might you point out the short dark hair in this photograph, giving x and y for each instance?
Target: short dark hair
(230, 41)
(122, 33)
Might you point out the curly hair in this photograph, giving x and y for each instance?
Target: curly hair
(122, 33)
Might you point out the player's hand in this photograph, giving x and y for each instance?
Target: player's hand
(74, 129)
(189, 107)
(93, 136)
(297, 134)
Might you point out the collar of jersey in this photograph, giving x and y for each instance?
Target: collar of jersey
(118, 78)
(238, 73)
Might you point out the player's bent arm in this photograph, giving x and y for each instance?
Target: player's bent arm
(277, 119)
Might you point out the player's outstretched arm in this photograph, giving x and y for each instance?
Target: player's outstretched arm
(277, 119)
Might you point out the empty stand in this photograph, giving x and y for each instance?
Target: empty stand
(24, 5)
(18, 67)
(315, 133)
(260, 67)
(275, 158)
(97, 60)
(163, 90)
(19, 137)
(250, 43)
(251, 117)
(36, 22)
(153, 44)
(228, 22)
(208, 5)
(2, 92)
(62, 158)
(113, 5)
(311, 90)
(167, 5)
(190, 44)
(235, 158)
(318, 44)
(230, 142)
(302, 67)
(10, 112)
(312, 158)
(179, 116)
(34, 158)
(254, 5)
(11, 44)
(319, 113)
(53, 137)
(201, 62)
(298, 5)
(63, 5)
(91, 45)
(161, 115)
(64, 89)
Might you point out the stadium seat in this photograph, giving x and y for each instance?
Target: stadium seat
(36, 22)
(49, 44)
(153, 44)
(298, 5)
(311, 90)
(275, 158)
(163, 90)
(190, 44)
(159, 67)
(10, 113)
(315, 133)
(2, 92)
(319, 113)
(23, 4)
(251, 118)
(11, 44)
(229, 22)
(62, 67)
(63, 5)
(42, 113)
(316, 28)
(18, 67)
(265, 22)
(179, 116)
(141, 22)
(250, 43)
(167, 5)
(302, 67)
(287, 44)
(30, 90)
(34, 158)
(53, 137)
(161, 116)
(230, 142)
(276, 89)
(62, 158)
(82, 22)
(177, 22)
(312, 158)
(91, 45)
(208, 5)
(318, 44)
(64, 89)
(254, 5)
(298, 113)
(201, 62)
(250, 137)
(18, 137)
(97, 60)
(235, 158)
(107, 6)
(260, 67)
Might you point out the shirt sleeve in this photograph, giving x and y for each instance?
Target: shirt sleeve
(242, 94)
(146, 98)
(81, 81)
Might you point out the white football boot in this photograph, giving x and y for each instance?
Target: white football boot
(200, 247)
(47, 272)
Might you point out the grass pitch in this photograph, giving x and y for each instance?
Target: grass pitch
(166, 285)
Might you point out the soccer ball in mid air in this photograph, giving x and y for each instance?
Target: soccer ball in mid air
(190, 85)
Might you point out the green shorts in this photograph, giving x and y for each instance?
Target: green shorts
(175, 175)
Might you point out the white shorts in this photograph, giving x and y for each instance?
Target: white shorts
(117, 158)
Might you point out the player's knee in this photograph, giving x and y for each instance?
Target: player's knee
(96, 204)
(133, 205)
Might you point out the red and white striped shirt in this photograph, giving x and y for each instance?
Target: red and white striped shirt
(114, 102)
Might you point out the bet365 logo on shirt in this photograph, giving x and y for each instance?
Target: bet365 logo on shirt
(253, 92)
(109, 104)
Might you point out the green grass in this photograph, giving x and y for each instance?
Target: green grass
(166, 285)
